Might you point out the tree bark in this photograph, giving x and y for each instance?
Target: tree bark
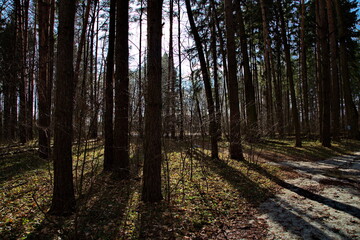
(151, 190)
(109, 105)
(324, 80)
(121, 131)
(44, 81)
(63, 201)
(235, 137)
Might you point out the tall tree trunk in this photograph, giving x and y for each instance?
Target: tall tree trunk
(63, 201)
(44, 82)
(352, 116)
(324, 80)
(267, 52)
(249, 87)
(303, 67)
(121, 131)
(235, 137)
(151, 190)
(140, 97)
(335, 94)
(171, 72)
(109, 105)
(206, 79)
(181, 136)
(216, 77)
(290, 77)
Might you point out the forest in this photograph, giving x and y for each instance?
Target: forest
(179, 119)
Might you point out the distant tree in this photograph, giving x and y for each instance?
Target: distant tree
(151, 190)
(63, 200)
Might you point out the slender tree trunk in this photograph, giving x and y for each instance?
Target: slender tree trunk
(324, 80)
(181, 136)
(109, 105)
(44, 82)
(140, 127)
(171, 73)
(290, 77)
(151, 191)
(303, 67)
(249, 87)
(335, 94)
(63, 201)
(267, 52)
(206, 79)
(235, 137)
(121, 131)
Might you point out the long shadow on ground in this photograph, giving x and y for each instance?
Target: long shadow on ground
(254, 193)
(18, 164)
(354, 211)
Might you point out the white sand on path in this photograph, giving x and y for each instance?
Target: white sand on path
(323, 203)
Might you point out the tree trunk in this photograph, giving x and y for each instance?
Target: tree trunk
(235, 137)
(324, 80)
(140, 127)
(335, 94)
(44, 82)
(181, 136)
(303, 67)
(109, 105)
(206, 79)
(290, 77)
(267, 52)
(249, 87)
(121, 131)
(151, 190)
(352, 116)
(63, 201)
(171, 73)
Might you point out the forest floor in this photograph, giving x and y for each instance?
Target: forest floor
(280, 192)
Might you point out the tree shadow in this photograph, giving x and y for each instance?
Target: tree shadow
(354, 211)
(19, 163)
(101, 210)
(255, 194)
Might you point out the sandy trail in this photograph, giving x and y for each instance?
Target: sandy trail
(323, 203)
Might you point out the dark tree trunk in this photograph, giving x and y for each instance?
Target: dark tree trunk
(121, 131)
(352, 116)
(206, 79)
(63, 201)
(267, 52)
(303, 67)
(290, 77)
(140, 97)
(151, 191)
(249, 87)
(109, 105)
(324, 80)
(44, 83)
(335, 94)
(215, 76)
(235, 137)
(181, 136)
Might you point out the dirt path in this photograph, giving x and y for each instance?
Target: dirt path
(322, 203)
